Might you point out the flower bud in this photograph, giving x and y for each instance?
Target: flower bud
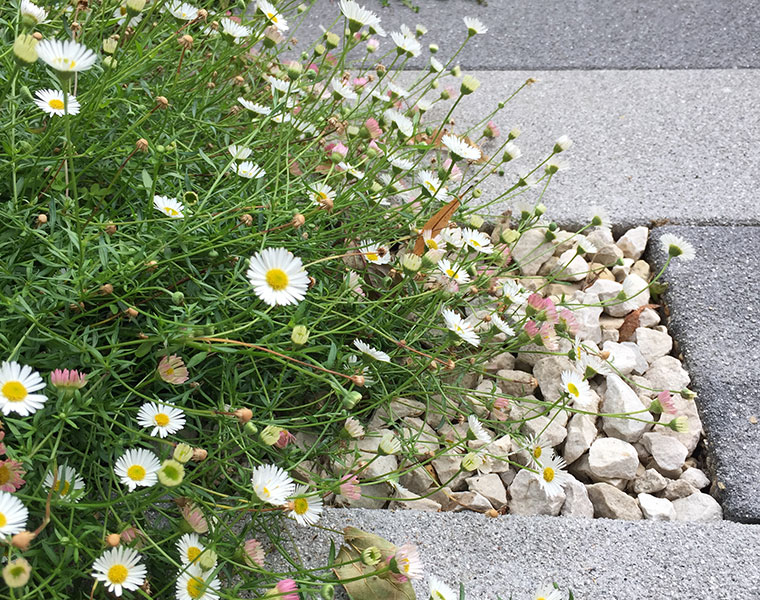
(511, 152)
(300, 335)
(207, 560)
(562, 143)
(472, 461)
(509, 236)
(469, 85)
(25, 49)
(42, 218)
(327, 592)
(110, 45)
(331, 40)
(113, 539)
(433, 48)
(199, 454)
(389, 445)
(456, 71)
(411, 263)
(171, 473)
(371, 556)
(476, 221)
(244, 415)
(350, 399)
(182, 453)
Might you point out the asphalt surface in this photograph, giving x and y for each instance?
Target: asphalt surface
(598, 559)
(715, 316)
(576, 34)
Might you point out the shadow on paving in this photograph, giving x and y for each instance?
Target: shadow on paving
(714, 304)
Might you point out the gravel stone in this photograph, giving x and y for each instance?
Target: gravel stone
(612, 458)
(610, 503)
(656, 509)
(698, 507)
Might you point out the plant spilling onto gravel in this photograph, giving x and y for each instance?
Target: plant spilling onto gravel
(239, 282)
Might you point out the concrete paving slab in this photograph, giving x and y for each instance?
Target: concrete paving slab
(577, 34)
(675, 146)
(715, 315)
(598, 559)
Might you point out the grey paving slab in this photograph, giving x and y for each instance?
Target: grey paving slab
(649, 145)
(599, 559)
(715, 314)
(579, 34)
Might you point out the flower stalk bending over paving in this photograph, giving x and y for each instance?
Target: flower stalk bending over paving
(224, 250)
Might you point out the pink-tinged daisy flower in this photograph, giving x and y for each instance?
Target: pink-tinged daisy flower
(568, 321)
(491, 130)
(406, 563)
(17, 384)
(349, 487)
(548, 336)
(194, 517)
(285, 438)
(286, 590)
(253, 553)
(666, 401)
(531, 328)
(373, 128)
(2, 445)
(68, 379)
(11, 473)
(172, 370)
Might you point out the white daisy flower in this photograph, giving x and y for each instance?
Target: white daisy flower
(253, 107)
(474, 26)
(453, 272)
(478, 430)
(591, 365)
(452, 236)
(404, 123)
(407, 562)
(233, 29)
(435, 65)
(65, 483)
(239, 152)
(163, 418)
(547, 592)
(344, 166)
(13, 515)
(171, 207)
(341, 90)
(358, 16)
(389, 444)
(575, 386)
(441, 591)
(66, 56)
(120, 569)
(397, 90)
(431, 242)
(279, 84)
(304, 508)
(353, 428)
(477, 240)
(498, 322)
(375, 253)
(599, 216)
(459, 148)
(511, 152)
(271, 484)
(193, 585)
(249, 170)
(137, 467)
(402, 164)
(190, 548)
(33, 12)
(462, 328)
(16, 386)
(539, 450)
(182, 10)
(676, 246)
(278, 277)
(586, 246)
(120, 13)
(553, 475)
(406, 44)
(321, 193)
(423, 105)
(271, 13)
(514, 292)
(563, 143)
(431, 184)
(370, 351)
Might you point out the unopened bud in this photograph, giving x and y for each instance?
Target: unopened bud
(199, 454)
(25, 49)
(244, 414)
(300, 335)
(106, 289)
(331, 40)
(42, 219)
(113, 539)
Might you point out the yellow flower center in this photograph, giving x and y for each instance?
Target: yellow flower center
(66, 487)
(195, 587)
(537, 452)
(372, 256)
(162, 419)
(475, 243)
(117, 574)
(322, 195)
(172, 212)
(14, 391)
(300, 506)
(122, 10)
(56, 104)
(136, 472)
(193, 552)
(5, 475)
(451, 273)
(265, 491)
(573, 390)
(273, 17)
(548, 474)
(277, 279)
(169, 371)
(67, 62)
(431, 244)
(3, 520)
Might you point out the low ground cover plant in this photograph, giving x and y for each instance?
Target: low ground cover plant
(215, 238)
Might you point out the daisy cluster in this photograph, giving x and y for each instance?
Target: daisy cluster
(224, 249)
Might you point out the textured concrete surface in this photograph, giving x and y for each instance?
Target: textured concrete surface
(598, 559)
(715, 315)
(577, 34)
(649, 145)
